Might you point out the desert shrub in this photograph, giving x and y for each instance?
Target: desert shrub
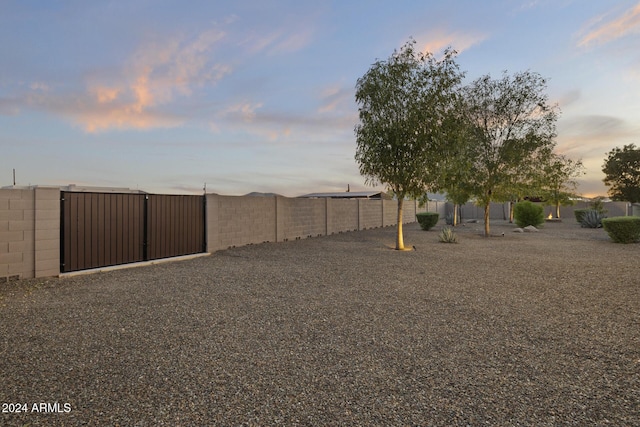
(448, 236)
(598, 205)
(592, 219)
(579, 213)
(449, 218)
(427, 219)
(527, 213)
(622, 229)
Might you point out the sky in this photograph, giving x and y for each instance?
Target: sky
(244, 96)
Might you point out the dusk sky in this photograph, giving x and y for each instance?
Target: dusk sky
(247, 96)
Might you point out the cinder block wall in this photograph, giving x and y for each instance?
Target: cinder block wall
(409, 211)
(471, 211)
(370, 213)
(342, 215)
(29, 233)
(240, 221)
(389, 212)
(301, 218)
(612, 208)
(47, 232)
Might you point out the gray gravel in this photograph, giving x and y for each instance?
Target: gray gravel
(523, 329)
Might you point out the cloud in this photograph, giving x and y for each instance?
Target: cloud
(278, 42)
(39, 86)
(105, 95)
(439, 39)
(602, 31)
(590, 136)
(9, 107)
(137, 96)
(284, 127)
(596, 126)
(244, 112)
(569, 98)
(335, 98)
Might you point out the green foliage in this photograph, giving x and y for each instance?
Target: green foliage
(592, 218)
(598, 205)
(512, 131)
(427, 220)
(448, 219)
(448, 236)
(403, 103)
(557, 183)
(623, 229)
(527, 213)
(579, 213)
(622, 173)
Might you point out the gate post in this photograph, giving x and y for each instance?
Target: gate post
(145, 228)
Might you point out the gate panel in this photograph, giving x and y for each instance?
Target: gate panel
(175, 225)
(101, 229)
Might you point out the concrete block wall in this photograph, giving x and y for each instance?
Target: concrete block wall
(342, 215)
(369, 213)
(389, 212)
(409, 211)
(29, 233)
(30, 224)
(471, 211)
(240, 220)
(301, 218)
(47, 232)
(500, 211)
(612, 208)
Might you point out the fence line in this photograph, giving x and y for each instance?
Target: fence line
(242, 220)
(30, 223)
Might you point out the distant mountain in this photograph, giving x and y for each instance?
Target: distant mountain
(257, 194)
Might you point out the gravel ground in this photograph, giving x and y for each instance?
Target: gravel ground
(517, 330)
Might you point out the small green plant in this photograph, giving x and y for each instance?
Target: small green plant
(448, 236)
(598, 205)
(427, 220)
(527, 213)
(448, 219)
(592, 219)
(579, 213)
(622, 229)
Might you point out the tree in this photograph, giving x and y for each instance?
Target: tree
(455, 161)
(402, 104)
(558, 184)
(622, 173)
(513, 131)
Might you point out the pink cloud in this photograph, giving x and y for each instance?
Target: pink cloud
(606, 31)
(439, 39)
(153, 77)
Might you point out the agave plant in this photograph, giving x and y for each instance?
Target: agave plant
(592, 219)
(448, 236)
(449, 218)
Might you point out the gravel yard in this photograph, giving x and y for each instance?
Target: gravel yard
(525, 329)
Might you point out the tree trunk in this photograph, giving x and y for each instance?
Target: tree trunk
(558, 210)
(511, 205)
(455, 215)
(399, 237)
(486, 219)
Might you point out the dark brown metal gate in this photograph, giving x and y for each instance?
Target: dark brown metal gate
(105, 229)
(175, 225)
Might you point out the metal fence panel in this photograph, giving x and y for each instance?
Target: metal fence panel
(100, 229)
(175, 225)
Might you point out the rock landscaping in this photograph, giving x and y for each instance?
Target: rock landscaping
(531, 329)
